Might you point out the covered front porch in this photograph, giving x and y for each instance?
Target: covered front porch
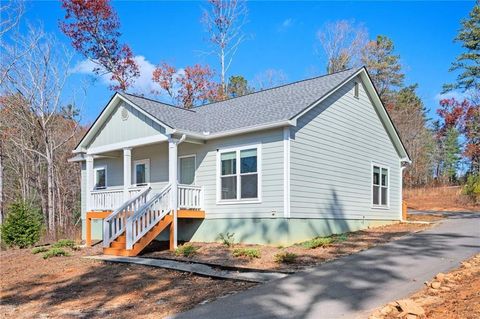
(138, 191)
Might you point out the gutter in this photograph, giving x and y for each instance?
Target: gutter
(249, 129)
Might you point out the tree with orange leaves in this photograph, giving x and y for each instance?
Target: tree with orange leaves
(93, 28)
(189, 86)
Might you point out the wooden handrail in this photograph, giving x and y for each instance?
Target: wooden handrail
(114, 225)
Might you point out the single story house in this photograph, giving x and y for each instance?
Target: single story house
(279, 166)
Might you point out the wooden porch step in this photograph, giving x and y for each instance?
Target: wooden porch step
(118, 246)
(115, 251)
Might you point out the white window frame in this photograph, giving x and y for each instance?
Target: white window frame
(98, 168)
(239, 200)
(380, 206)
(145, 161)
(195, 167)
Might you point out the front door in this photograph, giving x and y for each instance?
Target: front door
(187, 170)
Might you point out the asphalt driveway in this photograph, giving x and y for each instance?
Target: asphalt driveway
(351, 286)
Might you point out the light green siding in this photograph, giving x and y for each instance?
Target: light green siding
(332, 150)
(272, 174)
(116, 130)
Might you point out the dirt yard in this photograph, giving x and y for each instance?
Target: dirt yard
(74, 287)
(455, 295)
(217, 253)
(439, 199)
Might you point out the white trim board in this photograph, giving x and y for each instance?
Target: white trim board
(286, 172)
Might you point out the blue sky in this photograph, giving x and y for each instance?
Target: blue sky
(282, 36)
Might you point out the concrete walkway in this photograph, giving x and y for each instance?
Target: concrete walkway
(196, 268)
(350, 287)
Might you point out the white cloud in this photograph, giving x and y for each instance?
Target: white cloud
(143, 84)
(287, 23)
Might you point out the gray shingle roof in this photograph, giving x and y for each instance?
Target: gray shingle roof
(273, 105)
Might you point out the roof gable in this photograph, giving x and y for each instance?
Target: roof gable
(106, 115)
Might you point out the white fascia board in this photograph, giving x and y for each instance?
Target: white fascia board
(243, 130)
(387, 121)
(105, 113)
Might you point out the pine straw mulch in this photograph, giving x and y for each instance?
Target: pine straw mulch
(219, 254)
(75, 287)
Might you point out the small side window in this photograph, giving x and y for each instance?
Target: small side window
(100, 178)
(356, 90)
(142, 172)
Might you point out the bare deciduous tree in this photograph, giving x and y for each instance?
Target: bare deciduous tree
(342, 42)
(269, 78)
(33, 100)
(224, 22)
(11, 13)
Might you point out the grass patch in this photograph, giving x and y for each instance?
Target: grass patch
(317, 242)
(186, 250)
(340, 238)
(324, 241)
(55, 252)
(285, 257)
(38, 250)
(65, 243)
(228, 239)
(246, 252)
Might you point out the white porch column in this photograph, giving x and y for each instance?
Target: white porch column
(127, 172)
(89, 181)
(173, 180)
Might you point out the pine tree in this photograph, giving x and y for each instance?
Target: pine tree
(468, 63)
(238, 86)
(383, 65)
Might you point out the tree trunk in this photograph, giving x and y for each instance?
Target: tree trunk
(50, 196)
(222, 63)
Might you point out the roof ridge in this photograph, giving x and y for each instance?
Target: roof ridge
(237, 97)
(279, 86)
(152, 100)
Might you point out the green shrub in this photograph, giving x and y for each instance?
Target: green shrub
(23, 225)
(317, 242)
(340, 238)
(227, 239)
(472, 187)
(65, 243)
(246, 252)
(285, 257)
(38, 250)
(186, 250)
(55, 252)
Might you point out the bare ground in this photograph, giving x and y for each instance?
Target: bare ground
(439, 199)
(455, 295)
(75, 287)
(217, 253)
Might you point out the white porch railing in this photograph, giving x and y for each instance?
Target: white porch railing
(110, 199)
(190, 197)
(147, 216)
(114, 224)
